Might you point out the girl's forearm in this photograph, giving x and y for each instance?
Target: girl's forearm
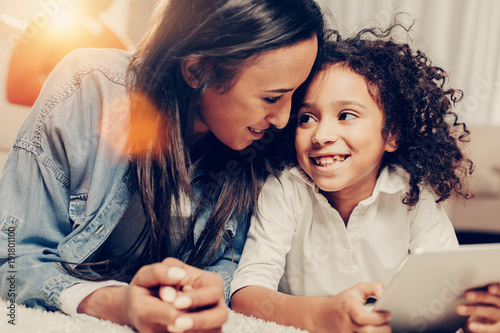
(274, 306)
(343, 311)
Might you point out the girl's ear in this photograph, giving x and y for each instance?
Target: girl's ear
(191, 71)
(391, 143)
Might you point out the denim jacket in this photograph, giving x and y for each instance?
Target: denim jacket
(67, 182)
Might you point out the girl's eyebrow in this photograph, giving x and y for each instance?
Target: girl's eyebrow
(335, 104)
(348, 102)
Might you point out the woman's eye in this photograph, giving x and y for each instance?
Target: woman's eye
(272, 100)
(305, 118)
(347, 116)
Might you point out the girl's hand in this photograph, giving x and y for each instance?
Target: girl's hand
(484, 314)
(199, 308)
(346, 311)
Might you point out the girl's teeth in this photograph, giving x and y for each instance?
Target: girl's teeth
(329, 160)
(256, 131)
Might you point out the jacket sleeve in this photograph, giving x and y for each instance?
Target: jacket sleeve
(34, 220)
(45, 217)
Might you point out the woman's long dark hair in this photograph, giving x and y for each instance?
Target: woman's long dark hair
(222, 35)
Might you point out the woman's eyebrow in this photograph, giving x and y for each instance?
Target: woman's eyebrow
(282, 91)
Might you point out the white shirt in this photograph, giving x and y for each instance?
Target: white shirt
(298, 243)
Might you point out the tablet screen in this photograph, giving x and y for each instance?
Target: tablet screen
(424, 293)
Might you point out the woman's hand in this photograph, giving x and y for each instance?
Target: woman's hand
(199, 307)
(484, 313)
(345, 311)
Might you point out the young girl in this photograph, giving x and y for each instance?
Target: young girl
(127, 159)
(378, 150)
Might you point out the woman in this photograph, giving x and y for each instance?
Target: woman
(125, 161)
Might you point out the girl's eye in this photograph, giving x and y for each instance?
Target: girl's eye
(272, 100)
(305, 118)
(347, 116)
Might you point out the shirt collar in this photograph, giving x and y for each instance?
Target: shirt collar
(391, 180)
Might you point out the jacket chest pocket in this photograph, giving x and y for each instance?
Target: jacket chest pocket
(77, 209)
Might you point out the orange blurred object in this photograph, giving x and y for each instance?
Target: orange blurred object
(46, 42)
(148, 129)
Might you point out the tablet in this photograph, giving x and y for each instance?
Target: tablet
(423, 294)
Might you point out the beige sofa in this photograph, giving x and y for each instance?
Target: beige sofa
(481, 213)
(11, 116)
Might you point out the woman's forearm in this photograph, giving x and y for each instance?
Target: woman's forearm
(106, 303)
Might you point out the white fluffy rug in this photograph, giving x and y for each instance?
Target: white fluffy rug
(29, 320)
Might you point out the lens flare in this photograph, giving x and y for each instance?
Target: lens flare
(134, 127)
(146, 127)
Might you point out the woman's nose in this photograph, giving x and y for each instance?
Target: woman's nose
(280, 116)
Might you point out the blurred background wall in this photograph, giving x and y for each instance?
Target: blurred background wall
(462, 36)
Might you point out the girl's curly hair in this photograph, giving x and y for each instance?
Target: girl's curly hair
(417, 108)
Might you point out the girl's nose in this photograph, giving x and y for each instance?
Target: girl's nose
(324, 134)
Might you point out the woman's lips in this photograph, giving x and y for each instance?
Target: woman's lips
(257, 133)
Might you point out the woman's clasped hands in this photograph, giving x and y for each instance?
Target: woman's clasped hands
(169, 296)
(177, 297)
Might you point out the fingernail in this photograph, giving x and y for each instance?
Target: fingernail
(470, 296)
(176, 273)
(187, 288)
(474, 326)
(184, 323)
(494, 289)
(168, 294)
(461, 309)
(182, 303)
(174, 329)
